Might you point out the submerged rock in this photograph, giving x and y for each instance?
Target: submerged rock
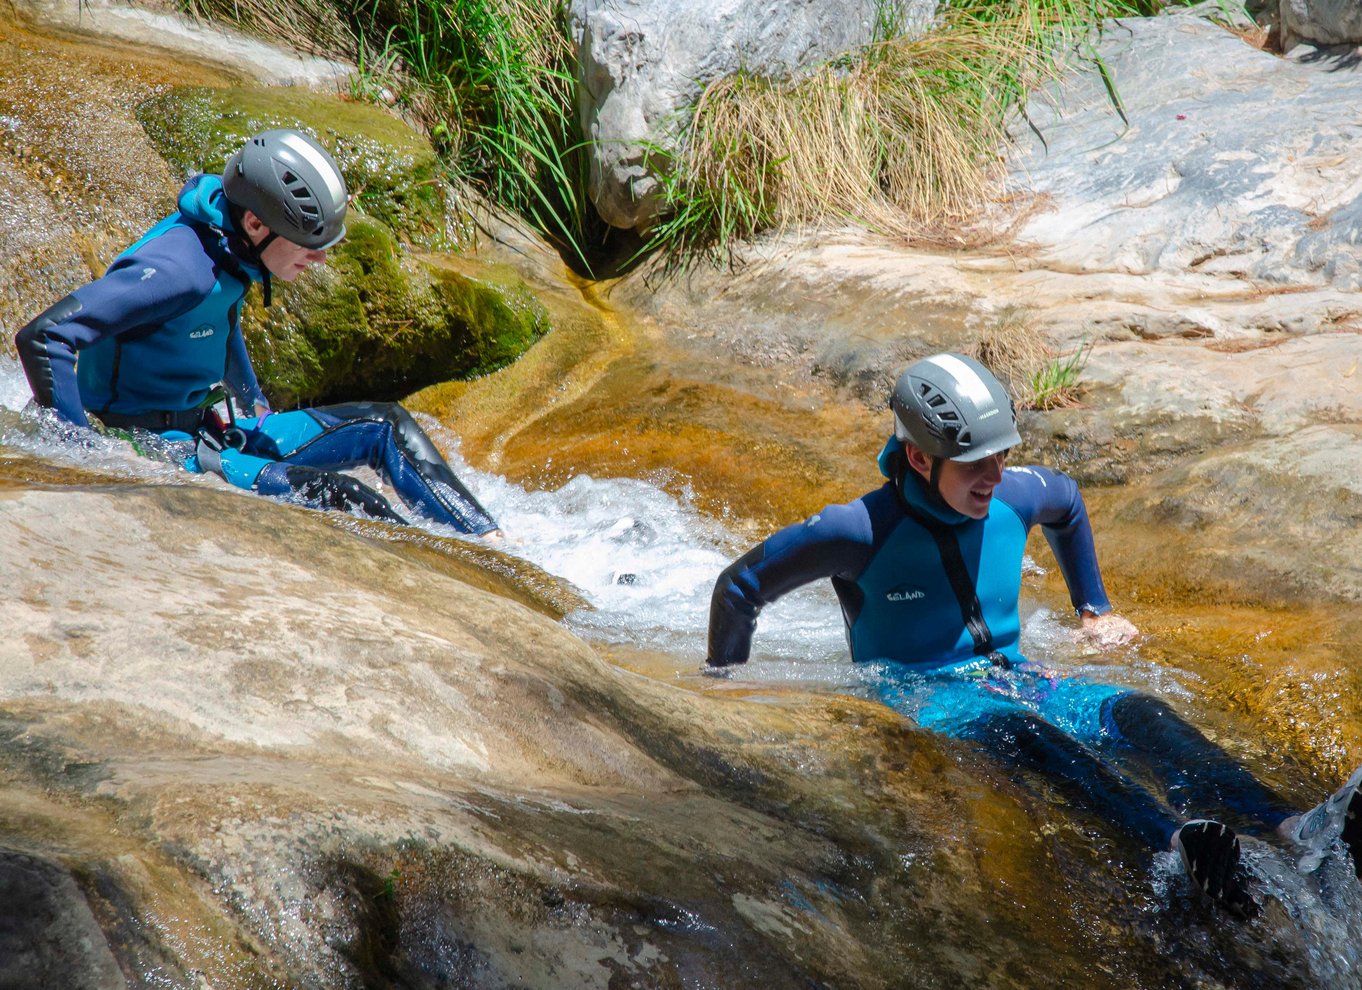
(48, 935)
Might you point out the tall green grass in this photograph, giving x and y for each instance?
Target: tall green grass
(901, 137)
(492, 82)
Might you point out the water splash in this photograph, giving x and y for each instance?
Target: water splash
(1309, 921)
(647, 562)
(25, 428)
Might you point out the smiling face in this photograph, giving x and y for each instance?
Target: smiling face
(967, 487)
(285, 260)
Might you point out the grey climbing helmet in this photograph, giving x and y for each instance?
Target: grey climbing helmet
(290, 182)
(950, 406)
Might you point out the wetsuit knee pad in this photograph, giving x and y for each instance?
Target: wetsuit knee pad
(408, 432)
(324, 490)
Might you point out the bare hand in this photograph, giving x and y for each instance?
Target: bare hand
(1107, 631)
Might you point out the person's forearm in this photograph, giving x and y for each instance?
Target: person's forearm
(48, 356)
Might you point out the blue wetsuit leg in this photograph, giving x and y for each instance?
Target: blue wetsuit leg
(1021, 738)
(1199, 774)
(379, 435)
(1024, 717)
(257, 467)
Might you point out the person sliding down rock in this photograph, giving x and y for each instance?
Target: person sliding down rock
(145, 346)
(928, 572)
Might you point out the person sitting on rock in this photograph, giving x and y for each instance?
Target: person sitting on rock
(145, 346)
(928, 571)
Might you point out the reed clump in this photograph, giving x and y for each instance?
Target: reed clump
(901, 138)
(1016, 349)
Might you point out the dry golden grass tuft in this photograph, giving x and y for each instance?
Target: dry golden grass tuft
(902, 138)
(1016, 350)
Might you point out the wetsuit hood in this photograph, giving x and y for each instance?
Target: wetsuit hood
(202, 200)
(916, 497)
(892, 447)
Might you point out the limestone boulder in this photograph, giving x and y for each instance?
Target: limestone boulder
(1323, 22)
(644, 63)
(1228, 161)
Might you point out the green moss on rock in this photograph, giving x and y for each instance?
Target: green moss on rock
(379, 323)
(393, 173)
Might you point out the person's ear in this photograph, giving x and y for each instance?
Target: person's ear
(251, 224)
(918, 460)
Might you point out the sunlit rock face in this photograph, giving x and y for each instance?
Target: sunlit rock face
(1229, 161)
(295, 753)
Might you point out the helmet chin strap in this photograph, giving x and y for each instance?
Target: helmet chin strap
(902, 469)
(934, 481)
(254, 251)
(242, 247)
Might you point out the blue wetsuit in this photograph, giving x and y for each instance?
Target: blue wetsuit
(936, 592)
(162, 327)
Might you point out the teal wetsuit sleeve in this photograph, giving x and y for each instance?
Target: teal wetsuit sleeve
(834, 543)
(143, 288)
(1052, 500)
(236, 467)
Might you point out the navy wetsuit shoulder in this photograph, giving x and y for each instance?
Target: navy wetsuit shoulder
(1051, 499)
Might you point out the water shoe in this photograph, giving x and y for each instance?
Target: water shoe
(1337, 817)
(1210, 855)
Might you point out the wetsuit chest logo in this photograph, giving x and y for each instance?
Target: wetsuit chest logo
(905, 593)
(204, 331)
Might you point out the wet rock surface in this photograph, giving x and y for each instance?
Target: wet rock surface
(158, 26)
(78, 178)
(48, 935)
(320, 763)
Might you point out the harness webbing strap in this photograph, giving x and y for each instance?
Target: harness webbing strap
(957, 572)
